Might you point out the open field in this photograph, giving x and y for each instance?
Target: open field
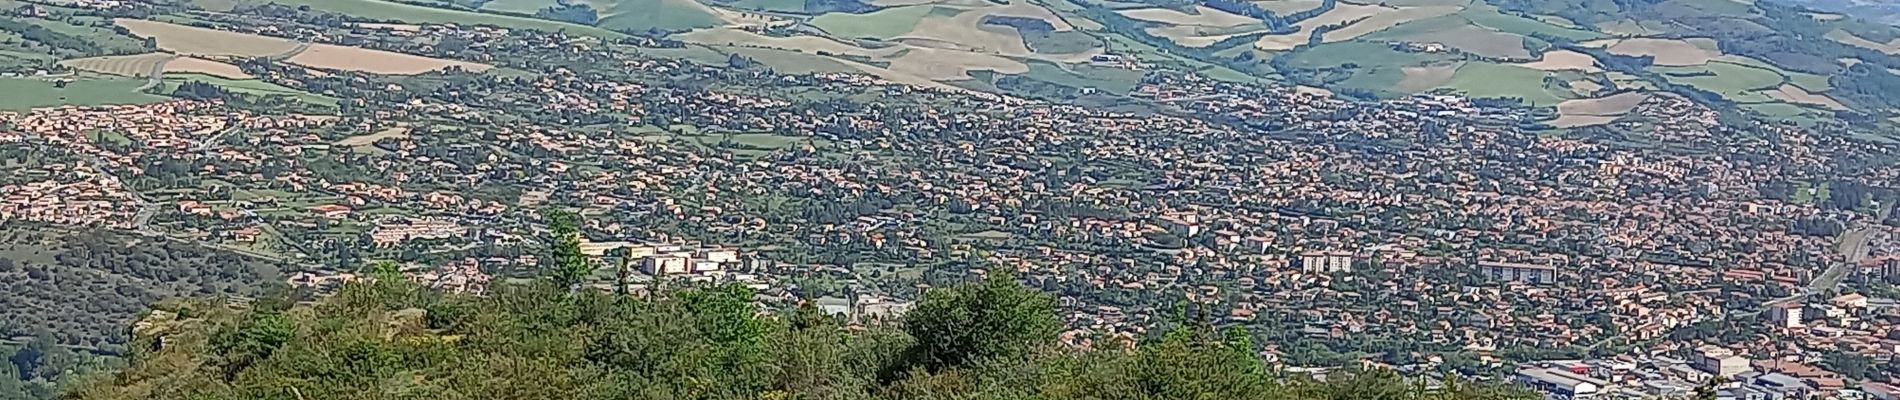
(1561, 60)
(1488, 80)
(376, 61)
(140, 65)
(25, 94)
(203, 66)
(413, 14)
(1890, 47)
(1573, 121)
(882, 24)
(1359, 20)
(1479, 41)
(965, 31)
(1617, 104)
(1793, 94)
(1284, 7)
(807, 44)
(191, 40)
(1737, 82)
(1668, 52)
(1206, 17)
(943, 65)
(1419, 79)
(1196, 36)
(247, 86)
(1488, 16)
(518, 6)
(396, 132)
(665, 15)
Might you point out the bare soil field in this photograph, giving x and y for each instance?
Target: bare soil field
(1668, 52)
(1560, 60)
(375, 61)
(190, 40)
(1793, 94)
(207, 67)
(140, 65)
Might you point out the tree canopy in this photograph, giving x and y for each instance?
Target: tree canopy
(390, 339)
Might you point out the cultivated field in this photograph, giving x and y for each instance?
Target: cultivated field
(196, 65)
(192, 40)
(1196, 36)
(141, 65)
(247, 86)
(376, 61)
(1488, 80)
(1284, 7)
(806, 44)
(1890, 47)
(1668, 52)
(965, 30)
(1206, 17)
(25, 94)
(1794, 94)
(1560, 60)
(397, 132)
(1737, 82)
(413, 14)
(881, 24)
(947, 65)
(1617, 104)
(1360, 20)
(1482, 42)
(1419, 79)
(667, 15)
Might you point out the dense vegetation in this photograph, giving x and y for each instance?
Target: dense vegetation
(85, 285)
(391, 339)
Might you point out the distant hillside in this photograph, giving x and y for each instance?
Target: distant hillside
(993, 340)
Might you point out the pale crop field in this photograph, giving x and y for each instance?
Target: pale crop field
(376, 61)
(191, 40)
(207, 67)
(140, 65)
(1668, 52)
(1559, 60)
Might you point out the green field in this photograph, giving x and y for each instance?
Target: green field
(518, 6)
(788, 6)
(1735, 82)
(882, 24)
(642, 15)
(383, 10)
(24, 94)
(1488, 80)
(105, 38)
(1112, 80)
(1489, 17)
(792, 62)
(248, 86)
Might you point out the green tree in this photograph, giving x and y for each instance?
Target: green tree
(569, 267)
(996, 318)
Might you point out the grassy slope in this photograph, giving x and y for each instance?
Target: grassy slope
(641, 15)
(248, 86)
(23, 94)
(882, 24)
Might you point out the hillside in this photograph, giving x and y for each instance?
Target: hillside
(991, 340)
(1772, 60)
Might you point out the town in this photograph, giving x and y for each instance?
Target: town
(1434, 235)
